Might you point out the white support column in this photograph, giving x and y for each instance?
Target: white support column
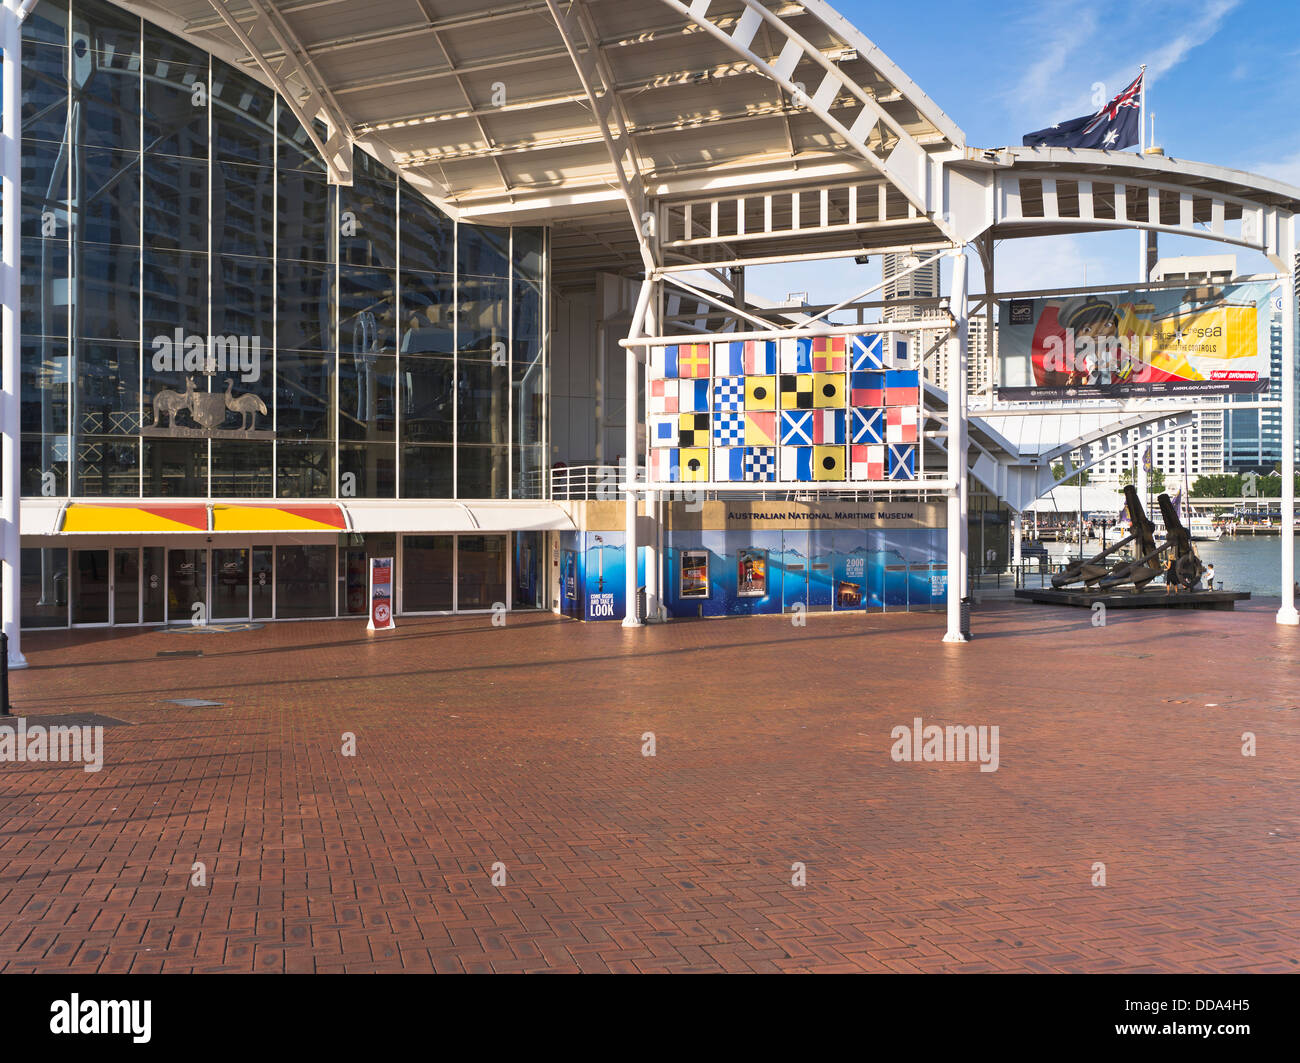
(652, 558)
(640, 316)
(1287, 613)
(1017, 534)
(957, 498)
(10, 454)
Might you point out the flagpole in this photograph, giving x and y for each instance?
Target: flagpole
(1142, 150)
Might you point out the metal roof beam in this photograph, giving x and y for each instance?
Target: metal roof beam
(594, 73)
(336, 149)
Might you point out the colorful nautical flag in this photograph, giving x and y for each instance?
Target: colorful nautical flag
(901, 424)
(760, 428)
(868, 462)
(796, 427)
(760, 393)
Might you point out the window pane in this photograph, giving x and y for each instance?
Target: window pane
(306, 296)
(45, 288)
(44, 588)
(305, 216)
(242, 116)
(106, 75)
(484, 306)
(482, 402)
(481, 571)
(529, 244)
(428, 235)
(304, 394)
(107, 293)
(106, 197)
(242, 209)
(426, 399)
(175, 96)
(176, 203)
(368, 215)
(374, 466)
(482, 251)
(367, 397)
(45, 190)
(428, 312)
(529, 472)
(305, 470)
(304, 581)
(296, 151)
(427, 562)
(242, 470)
(243, 302)
(175, 296)
(482, 472)
(367, 314)
(175, 468)
(427, 472)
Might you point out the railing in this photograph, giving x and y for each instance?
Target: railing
(1036, 571)
(601, 483)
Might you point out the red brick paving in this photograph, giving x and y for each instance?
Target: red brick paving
(522, 745)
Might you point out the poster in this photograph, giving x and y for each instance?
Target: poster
(1206, 339)
(695, 574)
(381, 594)
(751, 574)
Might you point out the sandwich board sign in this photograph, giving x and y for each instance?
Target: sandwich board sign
(381, 594)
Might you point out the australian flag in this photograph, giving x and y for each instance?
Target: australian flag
(1115, 126)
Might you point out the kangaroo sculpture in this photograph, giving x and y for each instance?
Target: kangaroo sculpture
(172, 402)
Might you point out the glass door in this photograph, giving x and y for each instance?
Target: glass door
(230, 585)
(91, 587)
(126, 586)
(263, 577)
(187, 586)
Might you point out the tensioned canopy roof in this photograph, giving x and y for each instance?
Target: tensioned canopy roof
(498, 110)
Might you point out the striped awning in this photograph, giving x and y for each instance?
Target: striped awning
(115, 518)
(89, 518)
(326, 517)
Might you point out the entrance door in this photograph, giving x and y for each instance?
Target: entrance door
(91, 587)
(820, 582)
(187, 585)
(794, 566)
(229, 585)
(126, 587)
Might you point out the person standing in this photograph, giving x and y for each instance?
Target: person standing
(1209, 576)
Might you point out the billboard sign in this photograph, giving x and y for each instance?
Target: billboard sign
(1208, 339)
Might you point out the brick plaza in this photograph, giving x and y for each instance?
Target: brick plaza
(523, 745)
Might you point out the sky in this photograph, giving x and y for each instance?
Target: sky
(1223, 81)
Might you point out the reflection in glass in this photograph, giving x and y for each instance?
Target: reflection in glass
(304, 394)
(426, 399)
(105, 197)
(305, 470)
(480, 571)
(175, 203)
(304, 581)
(175, 468)
(242, 470)
(482, 472)
(106, 287)
(44, 587)
(242, 116)
(368, 215)
(427, 472)
(367, 396)
(427, 562)
(306, 311)
(374, 466)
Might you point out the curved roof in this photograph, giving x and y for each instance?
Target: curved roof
(502, 112)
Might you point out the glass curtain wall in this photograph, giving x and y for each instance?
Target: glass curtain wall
(368, 345)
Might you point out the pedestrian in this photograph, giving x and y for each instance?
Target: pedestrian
(1171, 578)
(1209, 576)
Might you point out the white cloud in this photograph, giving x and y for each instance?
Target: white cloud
(1066, 38)
(1285, 169)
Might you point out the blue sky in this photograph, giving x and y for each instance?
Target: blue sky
(1223, 81)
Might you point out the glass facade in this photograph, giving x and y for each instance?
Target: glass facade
(206, 316)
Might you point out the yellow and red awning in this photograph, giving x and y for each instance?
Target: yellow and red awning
(325, 517)
(117, 518)
(89, 518)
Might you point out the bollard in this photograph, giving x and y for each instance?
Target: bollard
(965, 617)
(4, 675)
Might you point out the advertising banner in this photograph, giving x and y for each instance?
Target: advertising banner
(1208, 339)
(381, 594)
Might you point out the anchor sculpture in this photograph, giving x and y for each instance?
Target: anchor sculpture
(1110, 569)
